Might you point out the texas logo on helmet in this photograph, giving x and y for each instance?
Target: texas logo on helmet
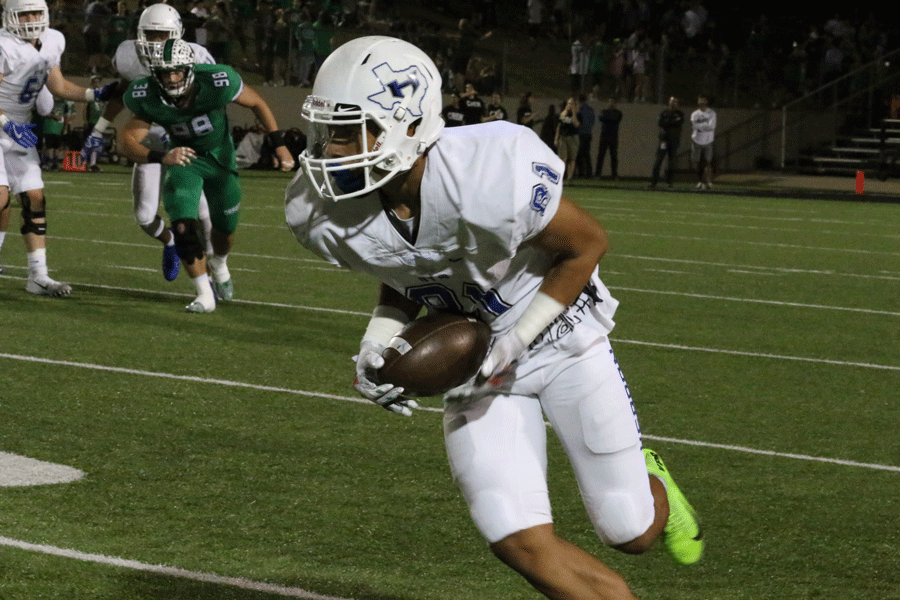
(396, 86)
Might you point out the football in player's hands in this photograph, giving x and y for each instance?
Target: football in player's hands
(435, 353)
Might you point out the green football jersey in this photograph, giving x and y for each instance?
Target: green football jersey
(203, 125)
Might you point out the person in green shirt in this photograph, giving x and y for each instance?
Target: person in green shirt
(189, 101)
(55, 125)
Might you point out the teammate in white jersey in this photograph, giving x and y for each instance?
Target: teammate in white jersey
(30, 54)
(472, 220)
(158, 23)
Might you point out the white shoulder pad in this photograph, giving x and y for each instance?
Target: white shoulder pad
(127, 63)
(202, 55)
(53, 44)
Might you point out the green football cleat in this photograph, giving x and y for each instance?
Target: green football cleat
(224, 290)
(683, 536)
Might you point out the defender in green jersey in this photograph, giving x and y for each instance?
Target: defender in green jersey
(189, 101)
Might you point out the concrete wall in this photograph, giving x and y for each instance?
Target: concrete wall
(742, 135)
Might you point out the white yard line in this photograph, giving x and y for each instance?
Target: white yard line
(267, 388)
(239, 582)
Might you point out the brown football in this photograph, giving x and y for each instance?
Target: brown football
(435, 353)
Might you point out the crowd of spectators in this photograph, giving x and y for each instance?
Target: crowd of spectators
(634, 50)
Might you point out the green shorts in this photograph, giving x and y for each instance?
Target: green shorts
(181, 193)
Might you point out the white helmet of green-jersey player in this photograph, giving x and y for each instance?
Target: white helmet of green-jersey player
(25, 29)
(380, 85)
(157, 19)
(174, 55)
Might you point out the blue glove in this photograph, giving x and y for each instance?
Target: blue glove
(104, 93)
(94, 143)
(21, 133)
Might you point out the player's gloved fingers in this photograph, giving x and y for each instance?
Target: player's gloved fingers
(402, 406)
(386, 394)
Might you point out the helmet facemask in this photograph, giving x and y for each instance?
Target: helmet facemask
(173, 56)
(340, 177)
(390, 98)
(28, 31)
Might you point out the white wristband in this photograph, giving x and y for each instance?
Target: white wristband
(3, 120)
(385, 322)
(100, 127)
(542, 311)
(89, 95)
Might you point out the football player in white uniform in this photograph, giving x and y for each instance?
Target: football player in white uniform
(30, 55)
(472, 220)
(158, 23)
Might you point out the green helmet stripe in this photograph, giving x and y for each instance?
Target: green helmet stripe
(167, 50)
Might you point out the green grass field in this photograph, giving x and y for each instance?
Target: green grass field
(760, 338)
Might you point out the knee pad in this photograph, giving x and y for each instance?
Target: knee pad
(154, 228)
(187, 240)
(623, 516)
(30, 216)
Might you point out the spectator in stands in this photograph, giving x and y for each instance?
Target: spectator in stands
(525, 112)
(536, 31)
(96, 15)
(453, 114)
(586, 119)
(306, 42)
(201, 14)
(833, 63)
(463, 49)
(670, 124)
(638, 59)
(275, 66)
(578, 67)
(598, 69)
(472, 106)
(219, 28)
(324, 34)
(549, 126)
(610, 118)
(566, 141)
(495, 110)
(119, 28)
(488, 78)
(703, 126)
(617, 68)
(693, 22)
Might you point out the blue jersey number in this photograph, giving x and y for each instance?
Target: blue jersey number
(31, 89)
(441, 297)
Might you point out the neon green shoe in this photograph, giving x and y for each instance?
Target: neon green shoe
(683, 536)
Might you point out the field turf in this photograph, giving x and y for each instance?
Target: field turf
(227, 457)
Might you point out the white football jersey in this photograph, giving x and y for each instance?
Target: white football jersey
(128, 63)
(486, 189)
(24, 69)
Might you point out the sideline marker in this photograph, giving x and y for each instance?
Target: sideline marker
(860, 181)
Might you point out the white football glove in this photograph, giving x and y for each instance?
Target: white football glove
(386, 395)
(504, 352)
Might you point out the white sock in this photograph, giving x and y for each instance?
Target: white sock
(204, 290)
(2, 237)
(37, 263)
(217, 265)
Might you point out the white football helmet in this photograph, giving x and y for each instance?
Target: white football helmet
(379, 84)
(173, 55)
(30, 30)
(157, 17)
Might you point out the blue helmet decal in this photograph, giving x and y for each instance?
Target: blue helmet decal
(396, 86)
